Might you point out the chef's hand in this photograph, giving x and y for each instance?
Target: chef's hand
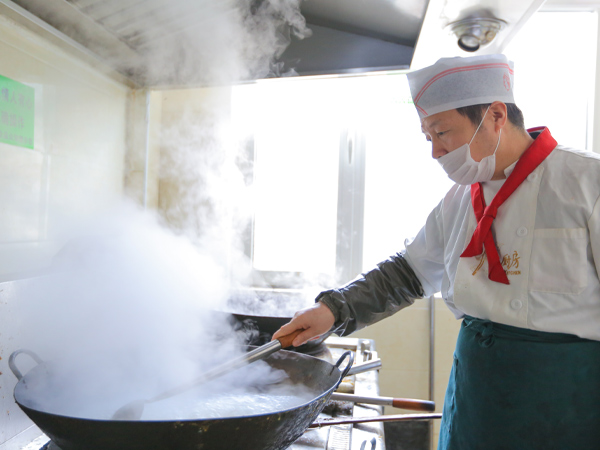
(315, 321)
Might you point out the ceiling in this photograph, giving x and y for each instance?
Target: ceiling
(196, 42)
(175, 42)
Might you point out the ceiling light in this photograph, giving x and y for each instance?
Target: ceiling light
(475, 32)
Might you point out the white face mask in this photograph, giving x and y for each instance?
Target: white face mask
(462, 169)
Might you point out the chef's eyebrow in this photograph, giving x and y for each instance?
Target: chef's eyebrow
(431, 125)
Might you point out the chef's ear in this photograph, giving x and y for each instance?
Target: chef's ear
(499, 115)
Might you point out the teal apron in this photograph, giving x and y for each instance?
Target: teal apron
(517, 389)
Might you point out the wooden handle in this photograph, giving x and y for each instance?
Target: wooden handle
(402, 403)
(286, 341)
(413, 404)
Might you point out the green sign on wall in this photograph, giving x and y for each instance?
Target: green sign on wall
(16, 113)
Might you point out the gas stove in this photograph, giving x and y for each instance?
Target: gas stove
(368, 436)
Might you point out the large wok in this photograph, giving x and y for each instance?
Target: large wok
(275, 431)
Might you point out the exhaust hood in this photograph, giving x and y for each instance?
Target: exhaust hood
(346, 36)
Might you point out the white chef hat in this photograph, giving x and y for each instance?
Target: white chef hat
(452, 83)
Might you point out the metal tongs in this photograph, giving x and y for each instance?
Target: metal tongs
(134, 410)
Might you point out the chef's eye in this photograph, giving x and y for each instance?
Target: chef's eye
(441, 133)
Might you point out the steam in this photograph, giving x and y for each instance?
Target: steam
(128, 312)
(221, 42)
(127, 309)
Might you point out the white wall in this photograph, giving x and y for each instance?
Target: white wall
(75, 170)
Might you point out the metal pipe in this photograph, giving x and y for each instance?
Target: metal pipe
(365, 367)
(387, 418)
(431, 347)
(431, 358)
(147, 148)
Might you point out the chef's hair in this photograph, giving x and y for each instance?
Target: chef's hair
(475, 113)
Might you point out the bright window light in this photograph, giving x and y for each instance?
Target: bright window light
(296, 129)
(297, 126)
(555, 67)
(403, 182)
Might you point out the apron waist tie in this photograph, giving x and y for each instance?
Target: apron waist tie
(487, 332)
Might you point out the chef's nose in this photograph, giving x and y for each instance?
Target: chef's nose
(437, 149)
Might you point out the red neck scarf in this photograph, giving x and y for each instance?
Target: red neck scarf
(482, 237)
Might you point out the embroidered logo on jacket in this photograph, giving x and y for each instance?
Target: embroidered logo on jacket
(510, 263)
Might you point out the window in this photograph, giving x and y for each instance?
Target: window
(343, 174)
(294, 128)
(295, 132)
(555, 66)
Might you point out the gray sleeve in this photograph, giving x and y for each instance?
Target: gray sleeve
(373, 296)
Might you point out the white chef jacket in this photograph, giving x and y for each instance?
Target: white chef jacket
(548, 237)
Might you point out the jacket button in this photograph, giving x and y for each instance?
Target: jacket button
(516, 304)
(532, 176)
(522, 231)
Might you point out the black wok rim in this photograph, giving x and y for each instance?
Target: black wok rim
(292, 354)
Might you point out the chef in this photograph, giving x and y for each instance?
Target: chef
(514, 249)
